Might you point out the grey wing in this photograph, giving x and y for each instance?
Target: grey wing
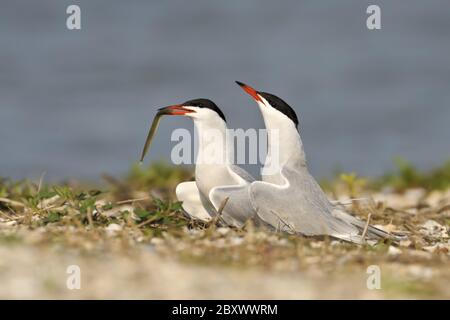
(299, 206)
(242, 173)
(238, 208)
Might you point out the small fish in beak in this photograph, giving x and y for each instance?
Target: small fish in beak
(174, 110)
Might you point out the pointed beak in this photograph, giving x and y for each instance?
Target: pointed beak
(175, 110)
(250, 91)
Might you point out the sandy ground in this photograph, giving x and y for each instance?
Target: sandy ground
(160, 255)
(33, 273)
(30, 273)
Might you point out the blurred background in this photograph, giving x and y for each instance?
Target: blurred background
(79, 103)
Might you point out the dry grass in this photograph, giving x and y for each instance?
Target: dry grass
(131, 244)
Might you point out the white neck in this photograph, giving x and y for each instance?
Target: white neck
(212, 143)
(214, 155)
(284, 144)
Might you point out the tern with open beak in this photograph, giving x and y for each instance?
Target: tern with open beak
(219, 185)
(289, 198)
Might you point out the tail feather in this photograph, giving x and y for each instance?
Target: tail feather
(354, 239)
(375, 232)
(372, 232)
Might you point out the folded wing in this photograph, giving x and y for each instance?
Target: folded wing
(299, 206)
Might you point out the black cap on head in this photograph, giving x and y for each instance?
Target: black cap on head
(280, 105)
(205, 103)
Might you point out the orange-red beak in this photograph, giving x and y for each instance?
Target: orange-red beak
(250, 91)
(175, 110)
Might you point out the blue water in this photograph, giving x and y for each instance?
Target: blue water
(79, 103)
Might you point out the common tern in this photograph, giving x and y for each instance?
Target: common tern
(219, 184)
(289, 198)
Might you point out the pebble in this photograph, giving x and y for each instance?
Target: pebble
(393, 251)
(223, 231)
(433, 229)
(113, 228)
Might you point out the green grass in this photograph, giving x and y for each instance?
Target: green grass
(405, 176)
(408, 176)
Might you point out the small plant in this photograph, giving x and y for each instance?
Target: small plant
(158, 175)
(353, 183)
(408, 176)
